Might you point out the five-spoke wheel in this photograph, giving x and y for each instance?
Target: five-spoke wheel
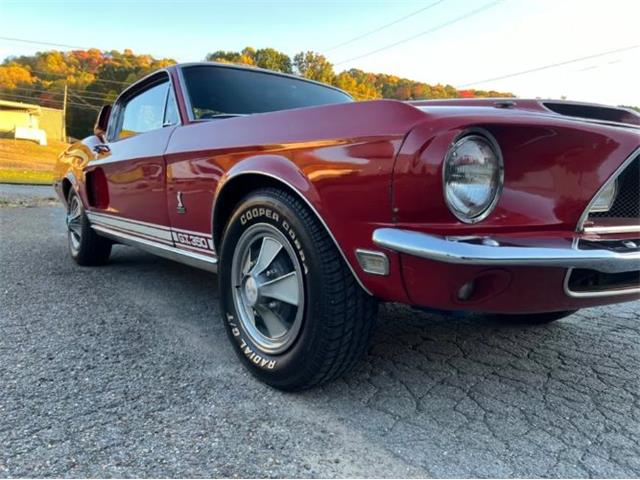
(74, 223)
(268, 288)
(292, 308)
(85, 246)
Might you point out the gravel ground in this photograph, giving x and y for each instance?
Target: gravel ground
(125, 371)
(12, 195)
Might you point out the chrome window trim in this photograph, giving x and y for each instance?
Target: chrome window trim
(484, 135)
(612, 178)
(307, 202)
(186, 97)
(596, 293)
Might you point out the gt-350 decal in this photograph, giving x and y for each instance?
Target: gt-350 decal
(197, 241)
(192, 240)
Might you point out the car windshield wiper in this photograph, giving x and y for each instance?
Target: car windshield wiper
(222, 115)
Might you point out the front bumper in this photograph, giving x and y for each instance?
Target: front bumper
(515, 273)
(623, 256)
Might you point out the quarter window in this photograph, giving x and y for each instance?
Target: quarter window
(171, 116)
(144, 112)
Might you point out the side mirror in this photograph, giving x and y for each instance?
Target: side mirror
(100, 127)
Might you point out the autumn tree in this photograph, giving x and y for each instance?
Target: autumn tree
(357, 86)
(96, 77)
(13, 75)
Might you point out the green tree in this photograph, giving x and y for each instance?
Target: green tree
(314, 66)
(272, 59)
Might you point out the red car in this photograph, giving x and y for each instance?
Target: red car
(313, 207)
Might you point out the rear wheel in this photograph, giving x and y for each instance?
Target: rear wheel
(85, 246)
(535, 318)
(293, 310)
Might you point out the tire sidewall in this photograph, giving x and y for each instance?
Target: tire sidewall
(75, 254)
(296, 362)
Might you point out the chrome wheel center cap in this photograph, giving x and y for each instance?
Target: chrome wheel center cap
(251, 291)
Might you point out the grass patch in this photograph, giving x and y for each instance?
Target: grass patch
(11, 175)
(23, 161)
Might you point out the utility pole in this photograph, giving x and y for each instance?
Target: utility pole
(64, 113)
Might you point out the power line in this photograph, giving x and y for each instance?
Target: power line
(35, 42)
(425, 32)
(375, 30)
(94, 80)
(551, 65)
(85, 102)
(32, 99)
(89, 95)
(78, 93)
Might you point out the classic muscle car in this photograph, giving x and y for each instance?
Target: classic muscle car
(313, 207)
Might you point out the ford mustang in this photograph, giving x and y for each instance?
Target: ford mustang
(312, 207)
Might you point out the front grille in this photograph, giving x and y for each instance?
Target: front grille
(627, 202)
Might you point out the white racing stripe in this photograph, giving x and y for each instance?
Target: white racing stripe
(144, 229)
(138, 222)
(130, 233)
(197, 241)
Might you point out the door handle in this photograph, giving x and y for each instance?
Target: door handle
(101, 148)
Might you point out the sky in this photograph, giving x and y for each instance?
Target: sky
(459, 42)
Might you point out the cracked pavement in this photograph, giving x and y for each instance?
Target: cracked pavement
(125, 371)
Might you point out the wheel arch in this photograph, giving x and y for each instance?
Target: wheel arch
(233, 188)
(66, 187)
(66, 184)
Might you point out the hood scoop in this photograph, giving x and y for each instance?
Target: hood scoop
(594, 112)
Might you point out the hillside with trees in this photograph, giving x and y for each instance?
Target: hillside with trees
(94, 77)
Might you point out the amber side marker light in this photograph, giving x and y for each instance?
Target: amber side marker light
(373, 262)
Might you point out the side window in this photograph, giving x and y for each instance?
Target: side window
(171, 115)
(144, 112)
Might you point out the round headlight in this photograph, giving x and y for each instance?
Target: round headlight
(472, 177)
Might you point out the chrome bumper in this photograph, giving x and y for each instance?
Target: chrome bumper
(530, 252)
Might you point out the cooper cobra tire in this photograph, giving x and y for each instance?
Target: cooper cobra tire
(316, 328)
(535, 318)
(85, 246)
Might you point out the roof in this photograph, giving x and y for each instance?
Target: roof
(251, 68)
(9, 105)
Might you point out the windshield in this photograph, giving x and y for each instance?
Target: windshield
(216, 91)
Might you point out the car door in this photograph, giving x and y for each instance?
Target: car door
(132, 162)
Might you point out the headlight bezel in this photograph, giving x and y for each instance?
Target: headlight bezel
(487, 138)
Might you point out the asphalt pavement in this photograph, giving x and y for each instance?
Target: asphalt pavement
(125, 371)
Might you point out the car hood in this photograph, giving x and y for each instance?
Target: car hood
(587, 112)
